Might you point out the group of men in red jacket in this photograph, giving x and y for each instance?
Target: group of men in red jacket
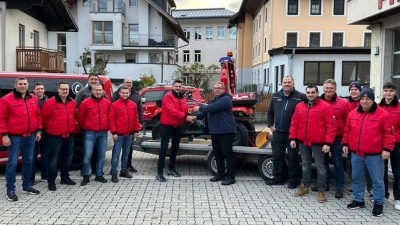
(22, 122)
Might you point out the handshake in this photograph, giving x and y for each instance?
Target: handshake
(191, 119)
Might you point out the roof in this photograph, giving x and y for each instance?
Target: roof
(319, 50)
(202, 13)
(246, 7)
(373, 18)
(171, 20)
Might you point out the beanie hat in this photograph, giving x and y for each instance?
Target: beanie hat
(368, 92)
(356, 84)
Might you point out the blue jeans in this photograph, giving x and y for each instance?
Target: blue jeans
(336, 152)
(92, 138)
(124, 143)
(306, 158)
(59, 148)
(27, 145)
(44, 157)
(376, 169)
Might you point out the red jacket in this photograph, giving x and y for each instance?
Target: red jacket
(352, 104)
(340, 110)
(123, 117)
(394, 111)
(313, 125)
(59, 118)
(369, 133)
(18, 115)
(93, 113)
(174, 109)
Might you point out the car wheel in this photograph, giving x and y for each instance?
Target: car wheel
(266, 167)
(156, 131)
(241, 136)
(212, 164)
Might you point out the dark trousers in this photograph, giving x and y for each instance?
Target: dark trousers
(44, 158)
(280, 143)
(395, 163)
(60, 150)
(223, 150)
(130, 155)
(168, 132)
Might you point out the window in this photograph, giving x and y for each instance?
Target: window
(232, 33)
(186, 55)
(265, 45)
(315, 39)
(258, 49)
(293, 7)
(176, 57)
(102, 5)
(356, 71)
(186, 31)
(98, 57)
(197, 33)
(102, 32)
(259, 21)
(396, 54)
(134, 34)
(130, 57)
(62, 43)
(21, 35)
(36, 39)
(367, 39)
(282, 72)
(152, 96)
(221, 33)
(197, 55)
(338, 7)
(133, 2)
(291, 39)
(318, 72)
(209, 33)
(315, 8)
(266, 15)
(337, 39)
(155, 58)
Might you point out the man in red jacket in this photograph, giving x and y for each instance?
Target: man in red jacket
(59, 120)
(174, 113)
(93, 117)
(313, 128)
(20, 126)
(368, 135)
(124, 123)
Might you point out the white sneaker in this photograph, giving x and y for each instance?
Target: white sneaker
(397, 205)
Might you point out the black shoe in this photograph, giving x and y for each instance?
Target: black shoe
(216, 178)
(114, 178)
(273, 182)
(292, 185)
(228, 181)
(32, 182)
(132, 169)
(356, 205)
(377, 210)
(52, 187)
(100, 179)
(339, 193)
(160, 177)
(125, 174)
(85, 180)
(67, 181)
(31, 191)
(11, 196)
(315, 188)
(174, 173)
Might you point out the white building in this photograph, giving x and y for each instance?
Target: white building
(383, 19)
(140, 36)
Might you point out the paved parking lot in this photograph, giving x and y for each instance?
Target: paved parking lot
(190, 199)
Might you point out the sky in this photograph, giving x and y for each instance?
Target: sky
(232, 5)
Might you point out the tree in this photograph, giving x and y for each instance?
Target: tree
(144, 81)
(196, 75)
(100, 63)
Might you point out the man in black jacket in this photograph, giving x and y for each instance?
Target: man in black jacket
(280, 113)
(135, 97)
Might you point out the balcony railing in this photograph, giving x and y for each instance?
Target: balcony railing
(146, 40)
(40, 59)
(107, 6)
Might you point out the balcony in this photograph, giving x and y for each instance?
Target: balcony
(141, 41)
(40, 59)
(107, 6)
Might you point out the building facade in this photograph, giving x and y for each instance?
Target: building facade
(266, 25)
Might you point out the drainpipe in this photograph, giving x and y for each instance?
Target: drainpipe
(291, 62)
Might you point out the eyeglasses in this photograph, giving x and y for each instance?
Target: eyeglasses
(64, 89)
(128, 82)
(217, 88)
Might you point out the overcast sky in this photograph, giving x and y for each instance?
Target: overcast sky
(232, 5)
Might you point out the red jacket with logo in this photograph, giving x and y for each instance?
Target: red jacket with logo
(19, 116)
(59, 118)
(369, 133)
(352, 104)
(393, 108)
(93, 114)
(313, 124)
(123, 117)
(174, 109)
(340, 111)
